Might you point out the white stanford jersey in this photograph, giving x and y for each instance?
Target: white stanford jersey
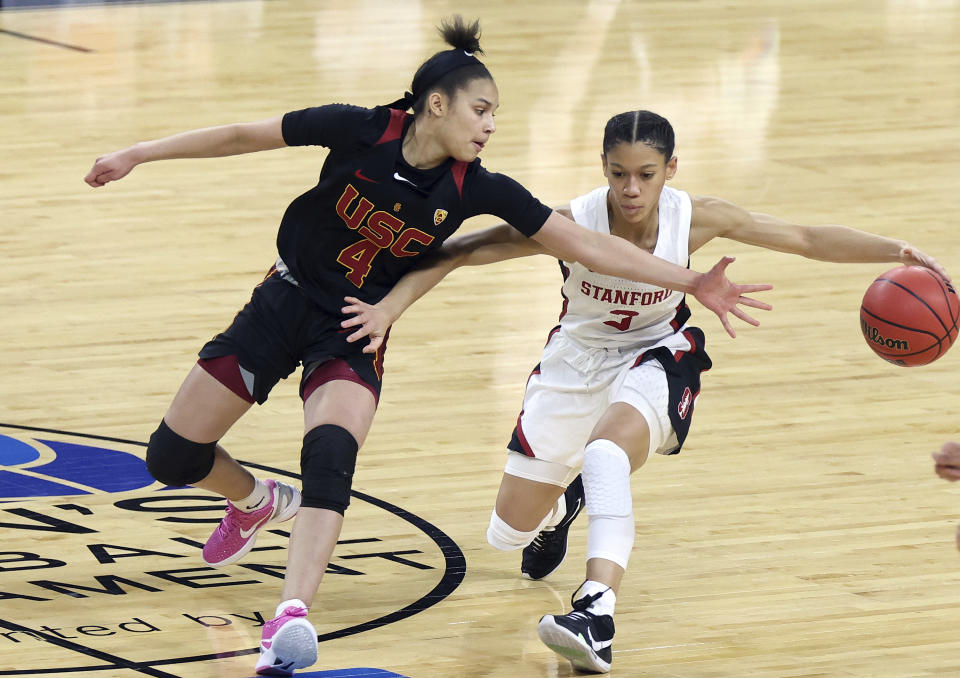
(605, 311)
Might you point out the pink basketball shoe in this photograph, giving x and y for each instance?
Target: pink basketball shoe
(288, 642)
(237, 532)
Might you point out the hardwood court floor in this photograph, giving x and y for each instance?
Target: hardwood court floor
(800, 533)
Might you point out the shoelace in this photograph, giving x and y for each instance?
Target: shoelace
(580, 615)
(228, 519)
(543, 541)
(294, 612)
(586, 601)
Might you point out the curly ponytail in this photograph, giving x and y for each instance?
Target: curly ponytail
(450, 70)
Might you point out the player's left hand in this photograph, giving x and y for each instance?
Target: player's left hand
(374, 322)
(911, 256)
(715, 291)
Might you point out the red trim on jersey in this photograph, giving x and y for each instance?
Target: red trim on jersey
(273, 269)
(378, 356)
(394, 127)
(333, 370)
(676, 312)
(527, 450)
(226, 370)
(459, 170)
(549, 337)
(693, 346)
(566, 300)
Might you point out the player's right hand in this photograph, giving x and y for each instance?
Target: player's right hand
(374, 322)
(111, 167)
(911, 256)
(947, 461)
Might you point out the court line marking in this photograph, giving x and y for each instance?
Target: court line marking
(454, 572)
(118, 662)
(46, 41)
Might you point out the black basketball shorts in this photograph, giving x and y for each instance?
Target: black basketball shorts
(281, 328)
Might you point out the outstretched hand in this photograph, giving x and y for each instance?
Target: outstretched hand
(715, 291)
(111, 167)
(947, 461)
(373, 321)
(947, 466)
(911, 256)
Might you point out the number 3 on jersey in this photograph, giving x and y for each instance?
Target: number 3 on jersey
(624, 323)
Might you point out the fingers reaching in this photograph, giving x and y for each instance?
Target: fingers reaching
(744, 317)
(369, 320)
(747, 301)
(755, 288)
(947, 461)
(374, 344)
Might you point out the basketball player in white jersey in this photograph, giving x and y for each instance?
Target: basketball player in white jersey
(619, 376)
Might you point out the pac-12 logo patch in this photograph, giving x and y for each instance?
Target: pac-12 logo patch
(100, 568)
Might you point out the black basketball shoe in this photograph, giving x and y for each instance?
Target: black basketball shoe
(584, 638)
(545, 553)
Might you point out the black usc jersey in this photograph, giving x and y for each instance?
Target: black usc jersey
(361, 228)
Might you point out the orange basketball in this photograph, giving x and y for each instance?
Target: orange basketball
(909, 316)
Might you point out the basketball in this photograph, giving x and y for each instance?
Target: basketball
(909, 316)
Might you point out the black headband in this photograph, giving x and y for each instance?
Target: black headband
(431, 72)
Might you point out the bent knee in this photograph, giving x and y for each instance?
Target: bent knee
(502, 536)
(174, 460)
(327, 462)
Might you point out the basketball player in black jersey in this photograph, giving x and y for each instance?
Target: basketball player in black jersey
(392, 187)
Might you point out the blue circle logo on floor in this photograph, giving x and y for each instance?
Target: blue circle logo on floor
(350, 673)
(46, 467)
(62, 495)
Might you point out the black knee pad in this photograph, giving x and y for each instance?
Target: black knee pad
(327, 462)
(174, 460)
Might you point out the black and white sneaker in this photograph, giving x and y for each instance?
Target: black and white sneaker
(584, 638)
(548, 549)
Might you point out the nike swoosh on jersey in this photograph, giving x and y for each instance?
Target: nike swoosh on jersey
(399, 178)
(359, 175)
(246, 533)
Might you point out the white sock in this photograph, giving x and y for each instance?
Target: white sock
(605, 604)
(256, 499)
(293, 602)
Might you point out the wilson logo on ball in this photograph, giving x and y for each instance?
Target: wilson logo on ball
(872, 334)
(909, 316)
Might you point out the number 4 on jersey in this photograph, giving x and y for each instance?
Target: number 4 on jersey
(358, 258)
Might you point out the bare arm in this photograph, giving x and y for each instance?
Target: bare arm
(209, 142)
(565, 239)
(615, 256)
(497, 243)
(611, 255)
(714, 217)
